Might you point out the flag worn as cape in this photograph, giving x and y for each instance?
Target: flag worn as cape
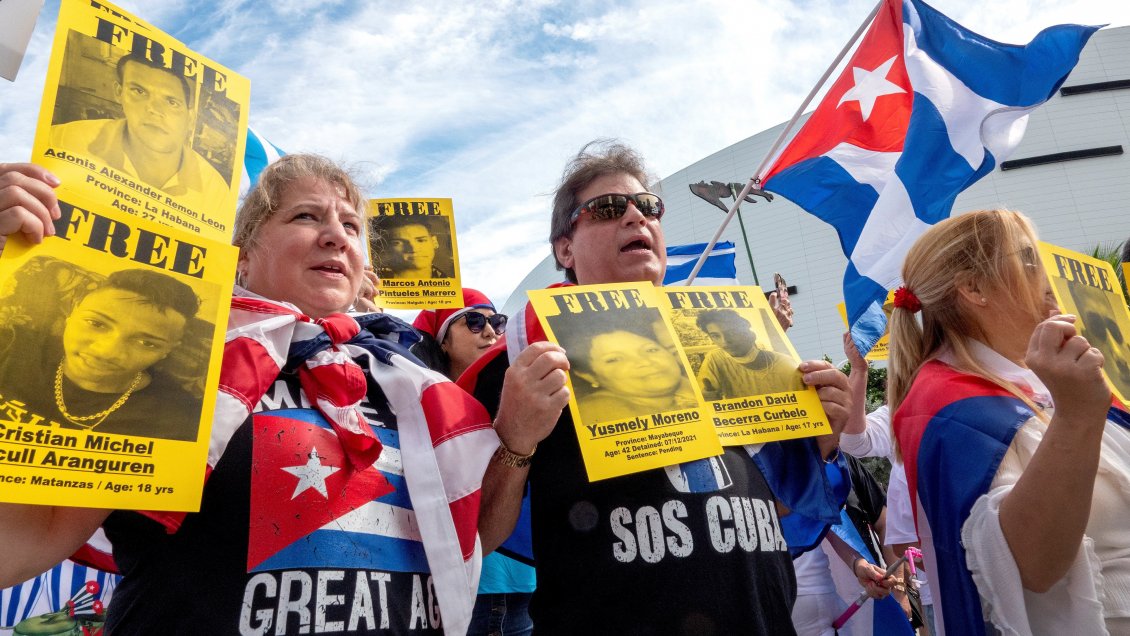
(923, 109)
(445, 438)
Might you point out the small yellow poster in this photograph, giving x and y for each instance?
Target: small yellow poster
(134, 120)
(111, 334)
(633, 402)
(413, 250)
(881, 350)
(1088, 288)
(744, 365)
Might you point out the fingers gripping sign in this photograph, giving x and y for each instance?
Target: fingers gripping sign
(1070, 367)
(833, 389)
(533, 395)
(27, 201)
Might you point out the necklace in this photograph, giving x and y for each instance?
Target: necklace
(98, 417)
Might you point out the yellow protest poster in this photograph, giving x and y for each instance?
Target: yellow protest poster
(633, 402)
(133, 120)
(881, 350)
(413, 250)
(111, 334)
(744, 365)
(1088, 288)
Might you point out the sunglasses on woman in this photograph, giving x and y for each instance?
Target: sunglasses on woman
(477, 321)
(607, 207)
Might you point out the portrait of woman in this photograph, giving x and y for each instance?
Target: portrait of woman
(620, 365)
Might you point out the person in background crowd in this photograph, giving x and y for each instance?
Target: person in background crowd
(453, 338)
(690, 549)
(1013, 450)
(373, 494)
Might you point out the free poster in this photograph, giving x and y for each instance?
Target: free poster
(635, 406)
(413, 250)
(1088, 288)
(113, 331)
(136, 121)
(744, 365)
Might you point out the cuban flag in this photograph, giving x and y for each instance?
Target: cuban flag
(258, 153)
(923, 109)
(719, 268)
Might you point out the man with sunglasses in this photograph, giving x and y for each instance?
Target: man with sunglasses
(694, 548)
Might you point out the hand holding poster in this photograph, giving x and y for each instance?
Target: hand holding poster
(112, 332)
(132, 119)
(413, 250)
(745, 366)
(1088, 288)
(634, 405)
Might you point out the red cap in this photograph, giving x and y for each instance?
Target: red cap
(435, 322)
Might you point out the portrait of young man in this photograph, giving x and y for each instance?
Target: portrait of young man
(410, 249)
(103, 374)
(152, 140)
(738, 367)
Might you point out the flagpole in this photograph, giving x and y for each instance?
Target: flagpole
(772, 154)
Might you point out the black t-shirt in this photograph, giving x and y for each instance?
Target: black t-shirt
(691, 549)
(288, 540)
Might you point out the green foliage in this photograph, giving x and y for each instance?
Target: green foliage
(879, 467)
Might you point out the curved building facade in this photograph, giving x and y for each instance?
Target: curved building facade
(1070, 174)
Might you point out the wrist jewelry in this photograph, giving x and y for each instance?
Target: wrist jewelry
(507, 457)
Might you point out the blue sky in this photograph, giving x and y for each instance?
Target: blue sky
(485, 102)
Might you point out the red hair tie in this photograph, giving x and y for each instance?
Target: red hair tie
(905, 299)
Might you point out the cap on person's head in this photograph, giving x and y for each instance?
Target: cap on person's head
(435, 322)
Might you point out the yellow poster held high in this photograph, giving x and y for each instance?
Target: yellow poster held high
(745, 366)
(134, 120)
(633, 402)
(110, 349)
(1088, 288)
(413, 250)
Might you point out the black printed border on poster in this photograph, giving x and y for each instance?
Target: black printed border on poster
(633, 402)
(107, 383)
(135, 120)
(1089, 288)
(744, 365)
(413, 249)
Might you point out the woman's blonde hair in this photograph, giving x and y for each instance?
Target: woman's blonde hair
(995, 251)
(263, 200)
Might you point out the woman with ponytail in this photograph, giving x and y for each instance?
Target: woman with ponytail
(1017, 461)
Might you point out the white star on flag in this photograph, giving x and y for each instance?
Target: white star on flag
(312, 475)
(870, 86)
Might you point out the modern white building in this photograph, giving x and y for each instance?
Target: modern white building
(1070, 174)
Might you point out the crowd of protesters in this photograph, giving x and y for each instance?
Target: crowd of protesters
(1012, 460)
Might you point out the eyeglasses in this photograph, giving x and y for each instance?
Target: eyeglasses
(607, 207)
(477, 321)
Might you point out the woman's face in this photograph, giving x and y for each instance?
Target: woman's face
(309, 251)
(463, 346)
(632, 365)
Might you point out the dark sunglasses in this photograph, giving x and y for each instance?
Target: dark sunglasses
(607, 207)
(477, 321)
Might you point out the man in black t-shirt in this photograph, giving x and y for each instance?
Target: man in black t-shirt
(697, 548)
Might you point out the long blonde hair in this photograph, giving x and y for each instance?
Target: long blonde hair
(992, 249)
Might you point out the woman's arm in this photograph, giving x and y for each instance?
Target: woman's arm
(1044, 516)
(36, 538)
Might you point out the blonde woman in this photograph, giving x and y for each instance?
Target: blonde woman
(1018, 463)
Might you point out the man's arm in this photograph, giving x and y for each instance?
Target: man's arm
(534, 392)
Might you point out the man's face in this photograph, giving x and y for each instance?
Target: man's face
(623, 250)
(157, 115)
(411, 247)
(114, 334)
(733, 339)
